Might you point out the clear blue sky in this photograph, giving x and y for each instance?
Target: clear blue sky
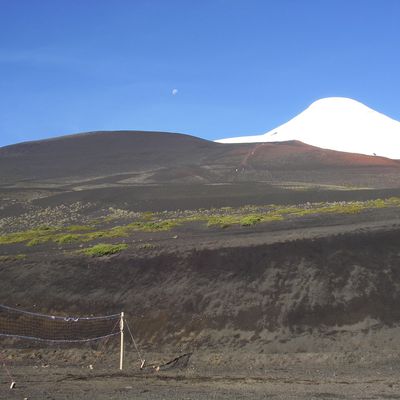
(241, 67)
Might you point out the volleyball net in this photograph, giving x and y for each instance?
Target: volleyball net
(68, 331)
(17, 324)
(21, 324)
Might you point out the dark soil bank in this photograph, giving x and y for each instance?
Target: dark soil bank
(285, 296)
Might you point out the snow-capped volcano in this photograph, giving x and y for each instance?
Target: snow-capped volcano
(337, 123)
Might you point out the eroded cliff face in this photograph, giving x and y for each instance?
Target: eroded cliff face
(313, 294)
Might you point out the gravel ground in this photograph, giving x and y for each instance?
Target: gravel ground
(292, 377)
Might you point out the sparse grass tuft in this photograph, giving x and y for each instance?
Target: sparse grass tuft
(223, 221)
(79, 228)
(12, 257)
(249, 220)
(104, 249)
(38, 240)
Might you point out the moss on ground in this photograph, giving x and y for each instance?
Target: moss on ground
(104, 249)
(68, 238)
(32, 234)
(225, 221)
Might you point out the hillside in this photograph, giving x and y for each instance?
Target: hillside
(133, 157)
(157, 171)
(258, 246)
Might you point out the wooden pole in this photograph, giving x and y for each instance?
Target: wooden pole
(121, 328)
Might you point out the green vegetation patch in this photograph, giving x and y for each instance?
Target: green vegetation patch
(225, 221)
(32, 234)
(166, 221)
(67, 238)
(104, 249)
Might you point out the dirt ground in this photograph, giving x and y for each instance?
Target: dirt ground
(217, 376)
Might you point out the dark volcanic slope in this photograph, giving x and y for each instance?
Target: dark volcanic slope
(132, 157)
(260, 296)
(99, 153)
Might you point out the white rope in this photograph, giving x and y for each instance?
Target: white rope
(53, 317)
(58, 340)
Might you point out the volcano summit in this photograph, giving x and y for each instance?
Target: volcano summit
(337, 123)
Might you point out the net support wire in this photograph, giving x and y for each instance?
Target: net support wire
(142, 360)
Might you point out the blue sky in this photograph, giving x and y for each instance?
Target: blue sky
(241, 67)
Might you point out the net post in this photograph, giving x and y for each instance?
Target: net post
(121, 329)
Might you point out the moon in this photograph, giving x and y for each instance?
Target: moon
(174, 92)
